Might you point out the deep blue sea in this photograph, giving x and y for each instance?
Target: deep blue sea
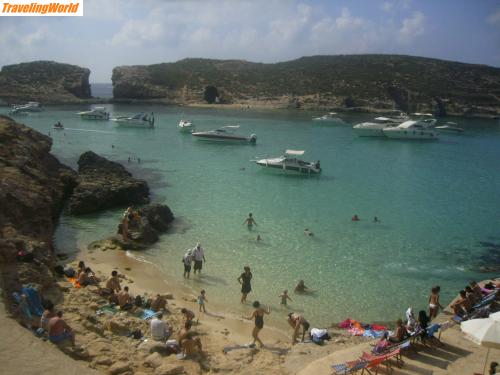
(438, 202)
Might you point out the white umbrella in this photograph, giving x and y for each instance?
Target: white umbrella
(485, 332)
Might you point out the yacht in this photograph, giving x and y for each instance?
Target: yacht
(289, 161)
(139, 120)
(413, 129)
(450, 127)
(374, 128)
(97, 113)
(225, 134)
(185, 126)
(332, 116)
(25, 108)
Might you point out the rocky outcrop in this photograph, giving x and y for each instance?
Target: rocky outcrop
(344, 82)
(105, 184)
(33, 188)
(45, 82)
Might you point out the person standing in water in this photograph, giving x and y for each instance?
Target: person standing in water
(199, 257)
(244, 280)
(258, 315)
(249, 221)
(284, 297)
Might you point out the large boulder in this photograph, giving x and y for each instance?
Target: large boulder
(104, 184)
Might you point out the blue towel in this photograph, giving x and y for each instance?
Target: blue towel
(23, 306)
(148, 314)
(34, 300)
(433, 329)
(372, 333)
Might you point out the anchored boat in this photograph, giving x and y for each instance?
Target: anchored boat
(225, 134)
(97, 113)
(289, 161)
(140, 120)
(185, 126)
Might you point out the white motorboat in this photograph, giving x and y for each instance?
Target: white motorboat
(225, 134)
(139, 120)
(450, 127)
(289, 162)
(332, 116)
(25, 108)
(413, 129)
(185, 126)
(97, 113)
(58, 126)
(374, 128)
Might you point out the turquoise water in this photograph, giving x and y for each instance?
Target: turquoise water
(438, 202)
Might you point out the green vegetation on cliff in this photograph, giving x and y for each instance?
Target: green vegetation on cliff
(377, 81)
(44, 81)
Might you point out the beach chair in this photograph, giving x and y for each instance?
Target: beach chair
(351, 367)
(375, 361)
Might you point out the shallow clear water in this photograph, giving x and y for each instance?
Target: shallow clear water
(438, 203)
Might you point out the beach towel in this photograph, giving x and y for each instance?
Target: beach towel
(147, 314)
(74, 281)
(372, 333)
(108, 309)
(345, 324)
(34, 300)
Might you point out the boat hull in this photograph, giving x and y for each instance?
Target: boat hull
(223, 138)
(368, 132)
(132, 124)
(395, 133)
(288, 168)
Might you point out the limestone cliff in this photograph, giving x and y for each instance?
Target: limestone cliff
(45, 82)
(33, 186)
(344, 82)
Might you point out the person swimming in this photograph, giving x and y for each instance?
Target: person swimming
(307, 232)
(355, 218)
(249, 221)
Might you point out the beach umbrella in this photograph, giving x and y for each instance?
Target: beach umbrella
(485, 332)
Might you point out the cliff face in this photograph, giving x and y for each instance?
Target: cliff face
(33, 186)
(342, 82)
(45, 82)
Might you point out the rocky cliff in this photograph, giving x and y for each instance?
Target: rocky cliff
(33, 187)
(45, 82)
(345, 82)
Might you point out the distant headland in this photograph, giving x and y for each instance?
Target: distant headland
(357, 83)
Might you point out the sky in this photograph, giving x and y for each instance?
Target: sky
(126, 32)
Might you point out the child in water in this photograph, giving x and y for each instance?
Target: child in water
(201, 300)
(284, 297)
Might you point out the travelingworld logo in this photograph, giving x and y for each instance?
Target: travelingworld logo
(23, 8)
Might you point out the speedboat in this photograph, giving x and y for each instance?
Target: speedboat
(413, 129)
(185, 126)
(139, 120)
(374, 128)
(97, 113)
(225, 134)
(58, 126)
(25, 108)
(450, 127)
(289, 162)
(332, 116)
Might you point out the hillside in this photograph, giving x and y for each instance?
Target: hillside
(45, 82)
(334, 82)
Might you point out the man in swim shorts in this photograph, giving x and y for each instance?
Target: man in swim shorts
(249, 221)
(199, 258)
(59, 330)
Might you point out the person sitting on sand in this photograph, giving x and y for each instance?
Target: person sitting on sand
(422, 323)
(125, 300)
(188, 314)
(188, 342)
(355, 217)
(382, 345)
(160, 331)
(284, 297)
(434, 304)
(258, 315)
(308, 233)
(302, 288)
(400, 333)
(87, 277)
(81, 267)
(476, 289)
(471, 296)
(48, 314)
(249, 221)
(113, 283)
(59, 330)
(296, 320)
(493, 368)
(158, 303)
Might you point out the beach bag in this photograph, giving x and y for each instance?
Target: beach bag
(70, 272)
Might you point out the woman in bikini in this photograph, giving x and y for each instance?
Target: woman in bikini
(258, 315)
(434, 304)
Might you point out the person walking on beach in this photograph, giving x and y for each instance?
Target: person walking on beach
(434, 304)
(296, 320)
(199, 258)
(258, 315)
(187, 259)
(249, 221)
(202, 298)
(284, 297)
(244, 280)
